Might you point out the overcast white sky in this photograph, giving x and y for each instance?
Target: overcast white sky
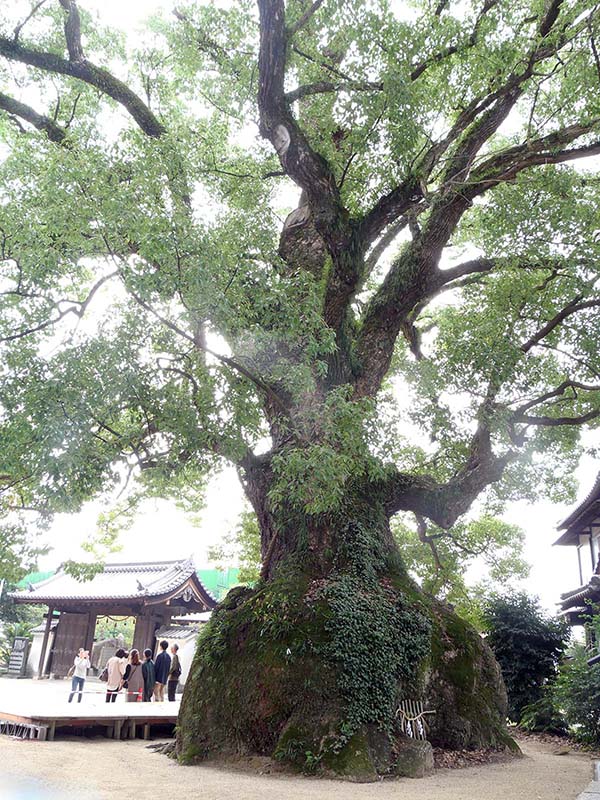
(164, 532)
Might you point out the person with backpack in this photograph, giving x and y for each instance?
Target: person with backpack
(162, 666)
(174, 673)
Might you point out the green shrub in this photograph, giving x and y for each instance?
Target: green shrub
(528, 645)
(545, 715)
(578, 693)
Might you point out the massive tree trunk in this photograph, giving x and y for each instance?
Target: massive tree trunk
(310, 665)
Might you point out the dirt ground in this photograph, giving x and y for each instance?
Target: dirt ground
(101, 769)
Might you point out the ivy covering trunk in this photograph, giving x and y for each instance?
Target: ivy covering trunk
(311, 664)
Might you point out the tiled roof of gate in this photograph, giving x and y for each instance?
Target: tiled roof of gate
(132, 581)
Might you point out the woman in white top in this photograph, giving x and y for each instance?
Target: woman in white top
(115, 668)
(81, 664)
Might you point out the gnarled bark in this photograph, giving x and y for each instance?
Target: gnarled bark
(310, 665)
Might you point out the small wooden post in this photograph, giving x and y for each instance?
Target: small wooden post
(45, 642)
(147, 730)
(89, 635)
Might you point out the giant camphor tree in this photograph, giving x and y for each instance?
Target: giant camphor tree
(419, 331)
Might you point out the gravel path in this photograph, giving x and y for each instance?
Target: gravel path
(100, 769)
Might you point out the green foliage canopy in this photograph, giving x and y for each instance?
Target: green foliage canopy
(441, 559)
(157, 318)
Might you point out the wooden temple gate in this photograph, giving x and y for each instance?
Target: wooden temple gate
(152, 592)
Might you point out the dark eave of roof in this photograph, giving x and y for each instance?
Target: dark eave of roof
(578, 597)
(592, 498)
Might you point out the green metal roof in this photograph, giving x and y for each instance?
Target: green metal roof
(218, 582)
(34, 577)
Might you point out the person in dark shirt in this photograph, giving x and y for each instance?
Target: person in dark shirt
(149, 675)
(162, 665)
(174, 673)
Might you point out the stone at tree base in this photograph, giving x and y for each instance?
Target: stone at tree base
(413, 759)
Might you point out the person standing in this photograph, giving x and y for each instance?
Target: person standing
(115, 668)
(81, 664)
(149, 675)
(133, 678)
(174, 673)
(162, 665)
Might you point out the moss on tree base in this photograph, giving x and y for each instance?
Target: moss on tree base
(310, 672)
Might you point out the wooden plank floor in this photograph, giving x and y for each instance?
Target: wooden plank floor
(43, 709)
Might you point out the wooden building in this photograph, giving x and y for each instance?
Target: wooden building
(152, 592)
(582, 532)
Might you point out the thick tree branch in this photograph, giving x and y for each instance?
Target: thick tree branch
(84, 70)
(305, 166)
(557, 393)
(301, 162)
(576, 305)
(304, 19)
(464, 274)
(472, 267)
(73, 30)
(496, 105)
(444, 503)
(547, 149)
(551, 422)
(392, 231)
(554, 397)
(326, 87)
(54, 132)
(396, 203)
(411, 283)
(415, 276)
(481, 131)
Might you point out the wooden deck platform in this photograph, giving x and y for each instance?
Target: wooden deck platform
(119, 719)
